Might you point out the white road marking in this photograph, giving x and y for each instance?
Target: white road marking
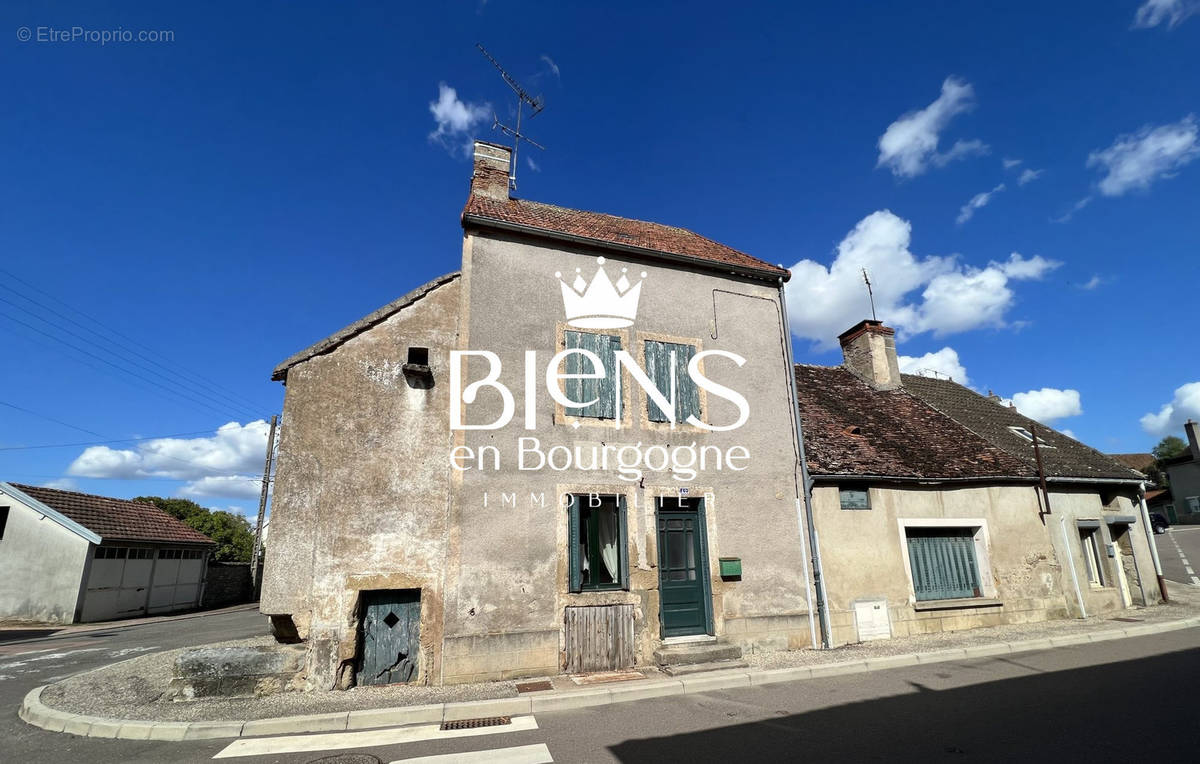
(522, 754)
(50, 657)
(330, 741)
(1195, 581)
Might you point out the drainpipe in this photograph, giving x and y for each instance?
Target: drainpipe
(1062, 522)
(1148, 530)
(805, 520)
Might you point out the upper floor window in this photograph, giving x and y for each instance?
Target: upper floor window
(854, 497)
(598, 387)
(664, 359)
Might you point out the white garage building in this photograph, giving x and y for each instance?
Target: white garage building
(67, 557)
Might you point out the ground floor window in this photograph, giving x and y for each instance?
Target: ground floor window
(597, 545)
(943, 563)
(1091, 555)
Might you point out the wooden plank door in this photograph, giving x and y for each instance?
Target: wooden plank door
(391, 636)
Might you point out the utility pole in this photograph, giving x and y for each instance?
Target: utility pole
(262, 506)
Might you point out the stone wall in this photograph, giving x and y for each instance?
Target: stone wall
(228, 583)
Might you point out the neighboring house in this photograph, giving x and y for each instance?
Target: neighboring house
(1160, 500)
(931, 519)
(67, 557)
(1142, 463)
(396, 566)
(1183, 474)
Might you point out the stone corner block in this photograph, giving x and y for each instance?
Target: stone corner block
(494, 707)
(395, 717)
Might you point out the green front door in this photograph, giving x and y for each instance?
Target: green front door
(682, 575)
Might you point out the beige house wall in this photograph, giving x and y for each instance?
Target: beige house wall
(865, 557)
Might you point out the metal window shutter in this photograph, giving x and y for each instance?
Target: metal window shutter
(943, 567)
(603, 391)
(576, 580)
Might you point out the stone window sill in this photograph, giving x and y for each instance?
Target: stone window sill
(968, 602)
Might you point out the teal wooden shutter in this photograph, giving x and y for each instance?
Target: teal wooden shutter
(943, 565)
(658, 369)
(576, 580)
(603, 390)
(623, 542)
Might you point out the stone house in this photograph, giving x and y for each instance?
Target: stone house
(1183, 475)
(931, 515)
(67, 557)
(577, 452)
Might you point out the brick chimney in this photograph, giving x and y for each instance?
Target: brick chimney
(490, 178)
(1193, 438)
(869, 350)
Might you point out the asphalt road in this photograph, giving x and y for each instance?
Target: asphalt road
(1127, 700)
(1179, 550)
(31, 658)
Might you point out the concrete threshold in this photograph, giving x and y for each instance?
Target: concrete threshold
(36, 713)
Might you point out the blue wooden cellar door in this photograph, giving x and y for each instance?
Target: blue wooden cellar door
(391, 635)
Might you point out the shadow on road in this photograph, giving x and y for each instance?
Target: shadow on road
(1110, 712)
(12, 635)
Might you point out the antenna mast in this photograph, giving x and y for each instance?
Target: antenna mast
(870, 294)
(536, 104)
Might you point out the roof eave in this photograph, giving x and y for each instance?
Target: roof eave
(766, 274)
(48, 511)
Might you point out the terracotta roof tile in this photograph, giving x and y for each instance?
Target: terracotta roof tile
(1139, 462)
(1067, 457)
(851, 428)
(610, 229)
(116, 519)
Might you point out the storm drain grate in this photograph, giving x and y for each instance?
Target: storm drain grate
(348, 758)
(470, 724)
(534, 686)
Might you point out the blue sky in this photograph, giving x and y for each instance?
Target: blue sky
(228, 197)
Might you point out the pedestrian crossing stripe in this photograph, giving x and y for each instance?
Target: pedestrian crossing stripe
(334, 741)
(521, 754)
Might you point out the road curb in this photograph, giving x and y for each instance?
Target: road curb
(38, 714)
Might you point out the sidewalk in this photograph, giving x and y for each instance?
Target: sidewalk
(399, 705)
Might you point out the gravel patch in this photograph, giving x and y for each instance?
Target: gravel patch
(133, 689)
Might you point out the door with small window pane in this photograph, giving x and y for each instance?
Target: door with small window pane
(682, 573)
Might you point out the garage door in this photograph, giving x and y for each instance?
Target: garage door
(118, 584)
(127, 582)
(177, 577)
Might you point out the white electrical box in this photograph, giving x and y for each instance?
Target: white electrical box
(871, 617)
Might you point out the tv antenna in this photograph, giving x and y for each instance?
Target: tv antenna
(535, 103)
(870, 294)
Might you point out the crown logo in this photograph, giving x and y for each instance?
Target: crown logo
(600, 304)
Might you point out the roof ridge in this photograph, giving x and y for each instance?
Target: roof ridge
(23, 486)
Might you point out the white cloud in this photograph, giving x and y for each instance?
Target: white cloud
(234, 453)
(532, 164)
(225, 486)
(978, 201)
(1154, 12)
(825, 301)
(1076, 207)
(1170, 418)
(1070, 434)
(1047, 404)
(456, 119)
(62, 484)
(550, 63)
(1028, 176)
(1092, 283)
(940, 363)
(1135, 160)
(1011, 163)
(910, 144)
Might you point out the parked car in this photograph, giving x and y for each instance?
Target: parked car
(1158, 523)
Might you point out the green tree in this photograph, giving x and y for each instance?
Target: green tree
(233, 534)
(1167, 448)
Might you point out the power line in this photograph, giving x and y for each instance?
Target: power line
(232, 396)
(102, 442)
(49, 419)
(76, 335)
(118, 368)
